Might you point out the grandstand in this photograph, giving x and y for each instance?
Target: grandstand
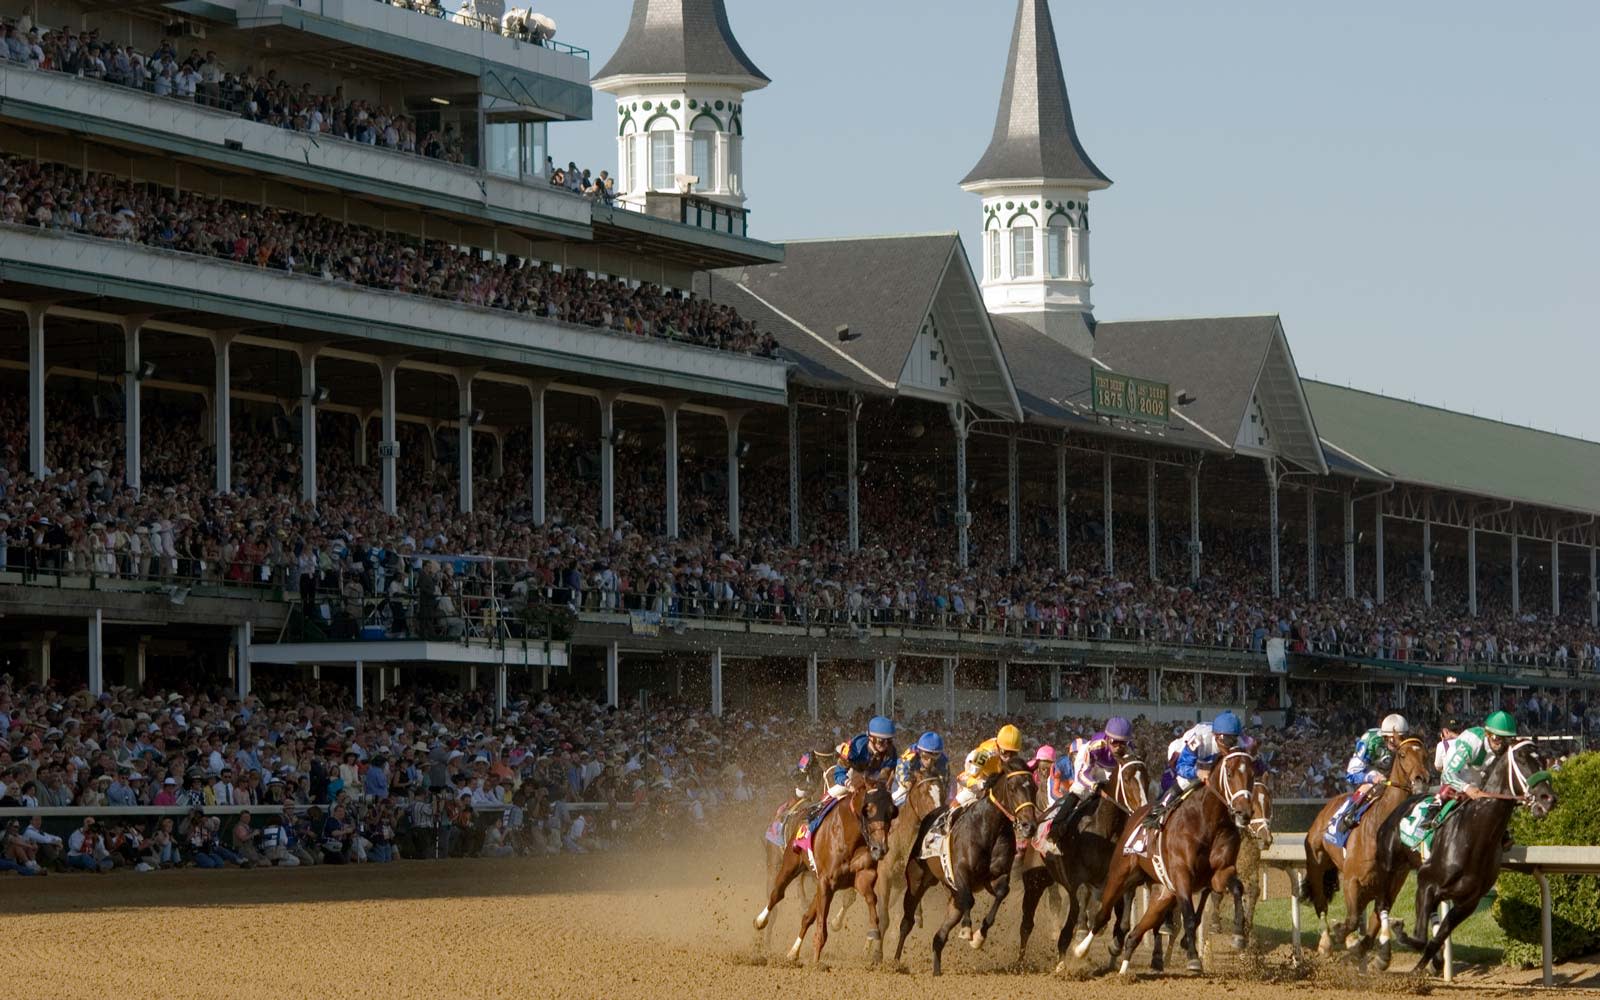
(308, 369)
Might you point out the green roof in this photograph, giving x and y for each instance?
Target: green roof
(1428, 446)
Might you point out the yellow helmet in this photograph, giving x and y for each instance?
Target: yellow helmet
(1009, 738)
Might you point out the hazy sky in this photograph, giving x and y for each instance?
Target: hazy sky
(1411, 186)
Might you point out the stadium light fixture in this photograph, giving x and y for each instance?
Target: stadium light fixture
(474, 418)
(1185, 397)
(742, 450)
(442, 101)
(845, 334)
(147, 370)
(320, 395)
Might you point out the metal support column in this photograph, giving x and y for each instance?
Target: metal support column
(1349, 545)
(222, 410)
(36, 373)
(1013, 497)
(1055, 683)
(950, 690)
(716, 682)
(361, 685)
(1272, 524)
(501, 695)
(1003, 686)
(1516, 576)
(733, 419)
(308, 424)
(241, 658)
(464, 438)
(958, 419)
(133, 465)
(613, 674)
(1594, 591)
(388, 429)
(1110, 562)
(1377, 549)
(1427, 563)
(1194, 525)
(97, 666)
(794, 471)
(813, 694)
(853, 473)
(888, 687)
(877, 687)
(669, 449)
(608, 460)
(1472, 570)
(536, 393)
(1150, 516)
(1555, 577)
(1063, 542)
(1311, 543)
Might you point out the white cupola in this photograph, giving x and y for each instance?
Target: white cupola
(1035, 180)
(680, 78)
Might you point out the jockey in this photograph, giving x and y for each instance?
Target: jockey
(1201, 747)
(989, 758)
(1094, 760)
(871, 756)
(1043, 764)
(1471, 753)
(926, 759)
(1370, 763)
(1449, 729)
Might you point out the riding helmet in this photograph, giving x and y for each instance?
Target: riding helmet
(1395, 725)
(1046, 752)
(1119, 728)
(930, 742)
(1501, 724)
(1009, 738)
(1227, 724)
(880, 726)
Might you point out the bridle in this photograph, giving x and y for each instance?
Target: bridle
(1260, 826)
(1027, 803)
(1122, 798)
(1228, 794)
(1528, 781)
(1389, 782)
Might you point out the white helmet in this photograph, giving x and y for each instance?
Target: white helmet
(1395, 725)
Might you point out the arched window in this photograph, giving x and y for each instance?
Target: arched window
(703, 150)
(1055, 251)
(1022, 252)
(994, 254)
(663, 157)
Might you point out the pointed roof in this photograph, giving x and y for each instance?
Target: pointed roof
(1033, 133)
(682, 38)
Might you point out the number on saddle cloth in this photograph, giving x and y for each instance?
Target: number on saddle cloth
(1336, 834)
(1424, 821)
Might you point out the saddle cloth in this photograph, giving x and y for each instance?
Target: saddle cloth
(802, 838)
(1417, 830)
(1335, 834)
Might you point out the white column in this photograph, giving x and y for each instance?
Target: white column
(1472, 569)
(613, 674)
(608, 460)
(812, 689)
(1594, 592)
(1003, 686)
(1150, 516)
(716, 683)
(222, 410)
(97, 667)
(536, 450)
(1272, 521)
(389, 444)
(1013, 495)
(132, 326)
(1063, 541)
(1427, 562)
(241, 658)
(308, 424)
(669, 448)
(500, 695)
(464, 438)
(360, 441)
(878, 667)
(361, 685)
(1110, 548)
(794, 471)
(733, 419)
(383, 681)
(950, 690)
(853, 473)
(1349, 544)
(1055, 682)
(1377, 546)
(1516, 575)
(888, 687)
(963, 518)
(498, 466)
(1194, 524)
(36, 373)
(1555, 576)
(1311, 543)
(140, 648)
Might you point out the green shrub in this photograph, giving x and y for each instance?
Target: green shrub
(1575, 899)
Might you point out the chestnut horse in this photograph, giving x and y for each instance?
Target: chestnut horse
(1198, 843)
(1354, 867)
(810, 779)
(846, 849)
(982, 844)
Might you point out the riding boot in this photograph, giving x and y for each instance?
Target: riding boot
(1347, 821)
(1158, 812)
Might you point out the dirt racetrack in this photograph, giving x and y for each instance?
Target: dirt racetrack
(646, 925)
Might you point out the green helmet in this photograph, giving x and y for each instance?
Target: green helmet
(1501, 724)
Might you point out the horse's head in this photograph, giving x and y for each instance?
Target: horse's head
(1527, 778)
(1261, 808)
(1013, 793)
(1232, 780)
(1131, 786)
(877, 813)
(1410, 769)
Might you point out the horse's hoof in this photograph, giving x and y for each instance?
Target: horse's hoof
(964, 933)
(1381, 960)
(1324, 946)
(1194, 965)
(1239, 943)
(761, 918)
(977, 940)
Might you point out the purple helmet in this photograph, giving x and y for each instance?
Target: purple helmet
(1119, 728)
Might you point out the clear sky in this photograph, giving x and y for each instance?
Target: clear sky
(1412, 187)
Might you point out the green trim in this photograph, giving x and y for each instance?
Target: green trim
(1538, 778)
(627, 119)
(1021, 213)
(705, 114)
(660, 113)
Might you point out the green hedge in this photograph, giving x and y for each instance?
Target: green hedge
(1575, 899)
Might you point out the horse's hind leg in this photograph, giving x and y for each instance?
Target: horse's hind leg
(845, 903)
(824, 901)
(1069, 923)
(917, 882)
(787, 871)
(1434, 952)
(1033, 888)
(805, 925)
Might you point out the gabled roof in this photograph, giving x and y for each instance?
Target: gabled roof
(890, 291)
(1429, 446)
(1052, 380)
(1033, 132)
(681, 38)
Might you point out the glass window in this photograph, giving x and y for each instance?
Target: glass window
(705, 160)
(663, 160)
(994, 255)
(1055, 246)
(1022, 252)
(630, 143)
(502, 141)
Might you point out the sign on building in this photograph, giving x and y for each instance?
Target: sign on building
(1130, 398)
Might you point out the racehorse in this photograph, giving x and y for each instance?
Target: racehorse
(810, 780)
(1199, 841)
(1467, 848)
(1354, 868)
(923, 798)
(1085, 839)
(1227, 879)
(981, 844)
(844, 854)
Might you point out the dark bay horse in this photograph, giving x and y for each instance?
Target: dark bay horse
(1354, 868)
(846, 848)
(1199, 842)
(982, 845)
(1085, 839)
(1467, 849)
(1227, 879)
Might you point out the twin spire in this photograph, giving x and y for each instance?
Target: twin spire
(689, 38)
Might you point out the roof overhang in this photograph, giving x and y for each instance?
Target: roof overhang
(690, 246)
(957, 310)
(1283, 400)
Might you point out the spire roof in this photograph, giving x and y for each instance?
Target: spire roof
(682, 38)
(1033, 133)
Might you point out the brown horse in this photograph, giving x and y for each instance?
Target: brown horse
(810, 778)
(1354, 867)
(982, 845)
(845, 850)
(1227, 879)
(1085, 839)
(1199, 841)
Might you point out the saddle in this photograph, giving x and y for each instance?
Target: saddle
(1425, 820)
(1336, 834)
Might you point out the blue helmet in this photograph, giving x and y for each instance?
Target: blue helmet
(880, 726)
(930, 742)
(1227, 724)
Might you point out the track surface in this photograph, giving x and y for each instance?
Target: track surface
(643, 925)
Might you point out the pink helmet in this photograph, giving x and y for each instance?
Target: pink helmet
(1045, 752)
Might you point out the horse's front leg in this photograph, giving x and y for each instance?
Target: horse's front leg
(1236, 889)
(960, 909)
(824, 900)
(866, 887)
(999, 888)
(1191, 927)
(790, 867)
